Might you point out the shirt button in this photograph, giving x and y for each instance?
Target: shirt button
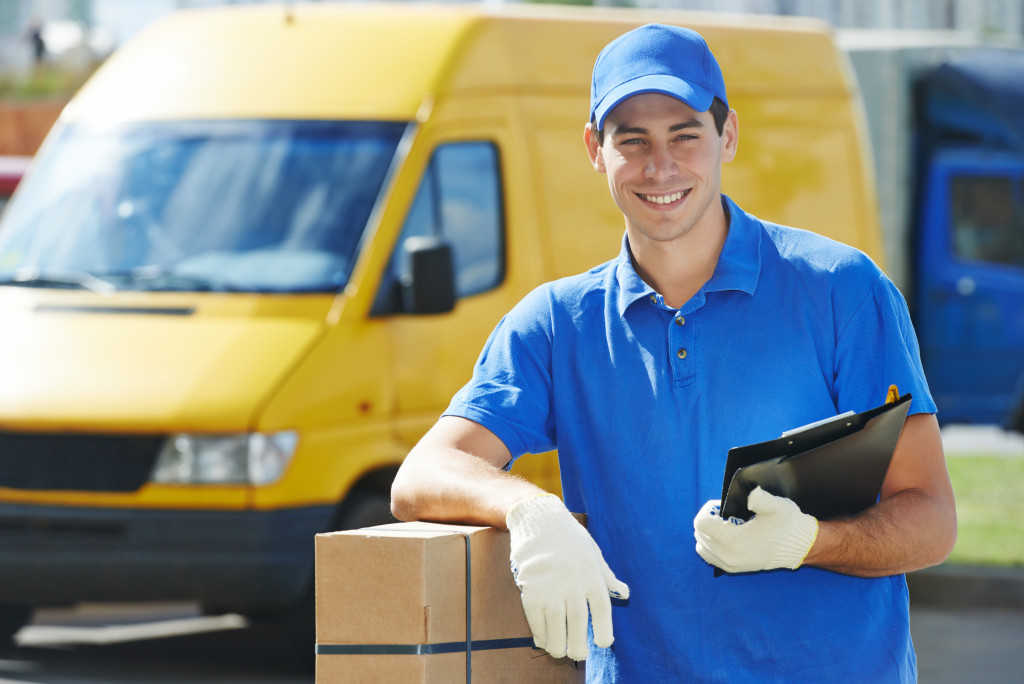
(654, 300)
(680, 320)
(681, 353)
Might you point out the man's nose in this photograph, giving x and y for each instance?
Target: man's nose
(660, 163)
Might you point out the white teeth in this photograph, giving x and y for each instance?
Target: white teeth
(664, 199)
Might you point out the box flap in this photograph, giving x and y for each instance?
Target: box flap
(405, 583)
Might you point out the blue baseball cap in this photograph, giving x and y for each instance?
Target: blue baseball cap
(655, 58)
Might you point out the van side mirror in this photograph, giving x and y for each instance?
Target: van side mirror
(428, 283)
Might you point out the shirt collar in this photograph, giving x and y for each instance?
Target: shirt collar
(631, 286)
(738, 268)
(739, 264)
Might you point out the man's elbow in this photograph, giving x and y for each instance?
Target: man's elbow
(947, 538)
(943, 537)
(403, 498)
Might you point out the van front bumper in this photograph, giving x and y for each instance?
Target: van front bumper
(242, 561)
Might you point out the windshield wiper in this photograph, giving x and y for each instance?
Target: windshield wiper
(169, 280)
(65, 279)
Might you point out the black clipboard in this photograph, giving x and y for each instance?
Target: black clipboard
(831, 468)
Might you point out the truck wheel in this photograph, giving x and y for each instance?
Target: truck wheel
(13, 616)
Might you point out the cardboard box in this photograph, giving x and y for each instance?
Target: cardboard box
(391, 607)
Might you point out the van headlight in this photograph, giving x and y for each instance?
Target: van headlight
(252, 458)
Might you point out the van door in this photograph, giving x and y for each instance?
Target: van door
(464, 197)
(970, 285)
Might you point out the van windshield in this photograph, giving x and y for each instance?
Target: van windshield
(248, 206)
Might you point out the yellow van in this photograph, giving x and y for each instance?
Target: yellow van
(262, 247)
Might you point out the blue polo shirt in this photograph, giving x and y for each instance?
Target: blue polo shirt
(643, 402)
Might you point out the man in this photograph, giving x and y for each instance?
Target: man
(711, 329)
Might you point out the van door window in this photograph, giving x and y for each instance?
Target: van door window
(988, 219)
(460, 200)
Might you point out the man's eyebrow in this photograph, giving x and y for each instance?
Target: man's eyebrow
(639, 130)
(691, 123)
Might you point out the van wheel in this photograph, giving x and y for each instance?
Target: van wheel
(362, 508)
(13, 616)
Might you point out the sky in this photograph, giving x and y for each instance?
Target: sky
(126, 17)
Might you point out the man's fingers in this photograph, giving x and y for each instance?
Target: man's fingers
(709, 556)
(708, 509)
(760, 501)
(556, 631)
(560, 570)
(778, 536)
(601, 617)
(576, 628)
(536, 619)
(616, 588)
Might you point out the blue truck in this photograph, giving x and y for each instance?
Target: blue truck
(947, 128)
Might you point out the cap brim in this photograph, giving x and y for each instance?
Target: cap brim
(694, 96)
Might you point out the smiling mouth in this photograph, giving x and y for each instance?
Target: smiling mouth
(665, 199)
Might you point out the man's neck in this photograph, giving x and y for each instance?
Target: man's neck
(679, 268)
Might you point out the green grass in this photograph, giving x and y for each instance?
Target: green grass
(990, 509)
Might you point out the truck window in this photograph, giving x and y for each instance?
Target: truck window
(459, 199)
(988, 219)
(247, 205)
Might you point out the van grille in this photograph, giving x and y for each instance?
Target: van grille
(77, 462)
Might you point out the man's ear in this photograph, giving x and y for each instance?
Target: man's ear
(593, 148)
(730, 136)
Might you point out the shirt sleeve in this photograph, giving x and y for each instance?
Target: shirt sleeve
(510, 391)
(878, 347)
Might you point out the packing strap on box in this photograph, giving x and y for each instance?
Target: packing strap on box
(430, 649)
(423, 649)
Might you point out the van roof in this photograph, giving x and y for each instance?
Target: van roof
(390, 61)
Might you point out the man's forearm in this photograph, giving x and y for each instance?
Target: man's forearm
(905, 532)
(455, 475)
(450, 487)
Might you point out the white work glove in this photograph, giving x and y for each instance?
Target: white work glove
(560, 571)
(778, 536)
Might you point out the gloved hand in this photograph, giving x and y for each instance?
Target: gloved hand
(778, 536)
(560, 571)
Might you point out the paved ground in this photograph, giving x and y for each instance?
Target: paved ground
(172, 643)
(969, 627)
(968, 645)
(147, 644)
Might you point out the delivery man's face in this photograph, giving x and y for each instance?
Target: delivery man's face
(664, 163)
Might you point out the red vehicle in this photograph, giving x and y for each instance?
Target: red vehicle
(12, 168)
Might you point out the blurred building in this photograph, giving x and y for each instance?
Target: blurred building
(78, 29)
(64, 29)
(992, 18)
